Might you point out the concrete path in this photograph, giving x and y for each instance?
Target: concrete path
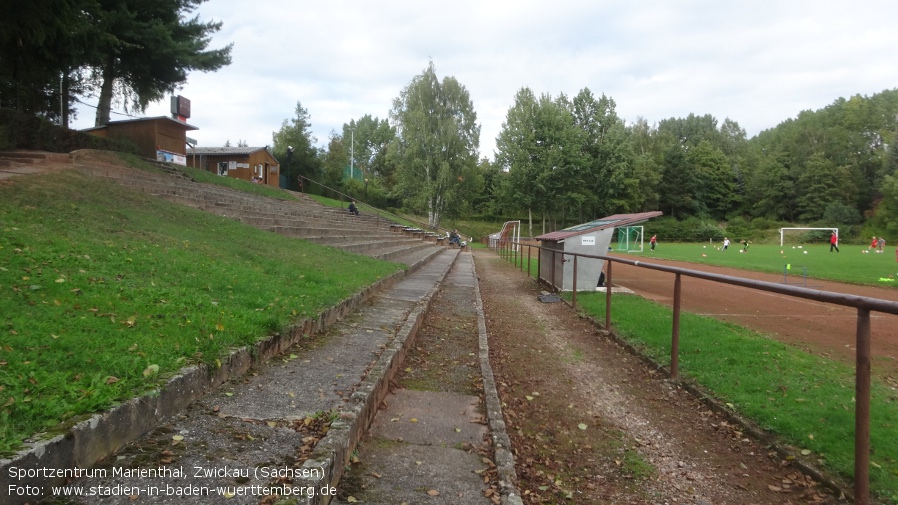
(432, 444)
(241, 441)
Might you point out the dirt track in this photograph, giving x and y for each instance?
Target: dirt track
(817, 327)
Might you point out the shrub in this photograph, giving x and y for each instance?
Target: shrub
(23, 131)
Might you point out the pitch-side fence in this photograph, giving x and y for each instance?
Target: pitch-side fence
(863, 304)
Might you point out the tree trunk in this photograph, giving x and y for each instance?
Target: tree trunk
(104, 107)
(530, 222)
(64, 85)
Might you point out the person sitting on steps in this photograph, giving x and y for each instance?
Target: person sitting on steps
(454, 238)
(352, 208)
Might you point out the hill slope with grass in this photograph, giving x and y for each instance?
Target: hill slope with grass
(106, 291)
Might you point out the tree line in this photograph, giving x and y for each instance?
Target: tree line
(559, 160)
(126, 52)
(564, 160)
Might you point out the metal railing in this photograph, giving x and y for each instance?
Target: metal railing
(377, 212)
(864, 305)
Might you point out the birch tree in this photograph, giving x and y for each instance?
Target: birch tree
(437, 137)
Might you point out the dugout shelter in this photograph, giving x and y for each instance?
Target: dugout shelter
(556, 268)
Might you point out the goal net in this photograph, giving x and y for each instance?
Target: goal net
(510, 232)
(629, 238)
(806, 235)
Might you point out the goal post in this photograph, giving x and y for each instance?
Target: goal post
(510, 232)
(630, 238)
(784, 230)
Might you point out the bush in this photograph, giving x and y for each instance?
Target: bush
(738, 229)
(692, 229)
(839, 213)
(23, 131)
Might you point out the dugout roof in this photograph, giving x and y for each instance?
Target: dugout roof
(614, 221)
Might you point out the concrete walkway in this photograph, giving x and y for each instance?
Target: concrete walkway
(431, 445)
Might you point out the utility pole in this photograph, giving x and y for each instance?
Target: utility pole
(352, 153)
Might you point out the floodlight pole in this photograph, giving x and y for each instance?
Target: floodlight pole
(352, 153)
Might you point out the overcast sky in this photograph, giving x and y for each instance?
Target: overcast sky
(757, 62)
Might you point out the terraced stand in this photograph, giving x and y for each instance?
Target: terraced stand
(303, 218)
(367, 336)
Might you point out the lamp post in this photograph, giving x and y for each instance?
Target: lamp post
(286, 171)
(352, 153)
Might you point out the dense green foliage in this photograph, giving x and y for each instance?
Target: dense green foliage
(134, 51)
(25, 131)
(435, 149)
(295, 146)
(831, 166)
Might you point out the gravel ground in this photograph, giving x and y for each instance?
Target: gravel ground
(591, 422)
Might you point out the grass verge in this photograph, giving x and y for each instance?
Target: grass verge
(106, 292)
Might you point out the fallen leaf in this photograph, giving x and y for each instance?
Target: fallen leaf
(581, 426)
(151, 370)
(433, 492)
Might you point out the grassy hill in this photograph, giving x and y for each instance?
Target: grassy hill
(106, 292)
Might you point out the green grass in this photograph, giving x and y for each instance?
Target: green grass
(805, 399)
(100, 285)
(851, 265)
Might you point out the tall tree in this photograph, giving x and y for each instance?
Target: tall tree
(148, 48)
(716, 180)
(335, 161)
(437, 141)
(541, 148)
(303, 159)
(609, 160)
(516, 152)
(42, 43)
(679, 183)
(367, 139)
(822, 182)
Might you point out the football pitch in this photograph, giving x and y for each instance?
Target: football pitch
(852, 264)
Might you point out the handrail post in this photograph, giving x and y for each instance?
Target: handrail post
(574, 295)
(528, 260)
(553, 266)
(608, 297)
(539, 267)
(675, 334)
(862, 410)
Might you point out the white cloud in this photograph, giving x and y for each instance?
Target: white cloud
(756, 62)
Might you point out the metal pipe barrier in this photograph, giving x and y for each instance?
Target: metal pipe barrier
(378, 212)
(863, 304)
